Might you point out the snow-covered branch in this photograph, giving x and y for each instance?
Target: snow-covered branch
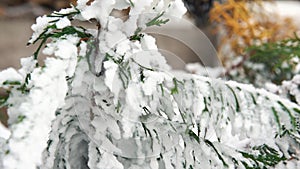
(110, 100)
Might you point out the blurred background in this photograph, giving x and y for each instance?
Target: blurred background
(16, 17)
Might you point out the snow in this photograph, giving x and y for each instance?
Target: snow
(5, 133)
(95, 119)
(28, 64)
(39, 27)
(152, 80)
(176, 9)
(151, 59)
(10, 75)
(113, 38)
(37, 110)
(63, 22)
(198, 69)
(123, 47)
(109, 162)
(148, 43)
(65, 49)
(272, 87)
(292, 87)
(99, 10)
(114, 24)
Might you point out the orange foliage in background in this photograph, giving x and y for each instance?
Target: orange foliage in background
(245, 23)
